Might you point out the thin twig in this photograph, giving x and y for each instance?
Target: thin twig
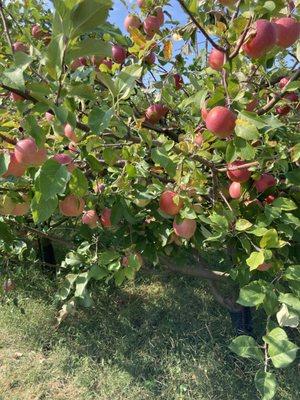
(241, 40)
(5, 27)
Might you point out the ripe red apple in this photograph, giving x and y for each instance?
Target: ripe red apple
(105, 217)
(178, 81)
(96, 60)
(8, 285)
(220, 121)
(204, 113)
(167, 204)
(108, 63)
(78, 62)
(71, 206)
(283, 81)
(151, 25)
(16, 97)
(292, 96)
(27, 152)
(158, 11)
(65, 159)
(216, 59)
(252, 105)
(198, 139)
(238, 175)
(264, 266)
(131, 22)
(269, 199)
(19, 46)
(90, 218)
(15, 168)
(288, 31)
(36, 31)
(156, 112)
(70, 134)
(261, 40)
(185, 229)
(150, 58)
(21, 209)
(118, 54)
(49, 117)
(264, 182)
(282, 110)
(235, 190)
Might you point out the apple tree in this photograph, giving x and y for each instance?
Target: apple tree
(176, 144)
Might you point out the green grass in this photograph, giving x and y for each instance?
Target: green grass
(162, 337)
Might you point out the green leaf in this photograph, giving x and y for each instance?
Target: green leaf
(246, 130)
(42, 208)
(281, 351)
(270, 239)
(88, 15)
(98, 273)
(292, 273)
(255, 260)
(265, 383)
(54, 56)
(160, 156)
(246, 346)
(5, 233)
(270, 303)
(119, 277)
(52, 179)
(291, 301)
(284, 204)
(32, 127)
(242, 224)
(80, 284)
(99, 120)
(89, 47)
(285, 317)
(108, 256)
(244, 149)
(78, 184)
(252, 295)
(4, 162)
(126, 80)
(293, 177)
(82, 91)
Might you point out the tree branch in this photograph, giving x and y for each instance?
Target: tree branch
(278, 96)
(5, 27)
(241, 40)
(202, 30)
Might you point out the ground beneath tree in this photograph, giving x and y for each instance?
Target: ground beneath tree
(162, 337)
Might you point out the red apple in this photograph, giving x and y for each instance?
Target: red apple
(252, 105)
(283, 81)
(155, 113)
(71, 206)
(16, 97)
(216, 59)
(220, 121)
(65, 159)
(292, 96)
(151, 25)
(288, 31)
(105, 217)
(264, 182)
(70, 134)
(118, 54)
(19, 46)
(158, 11)
(198, 139)
(108, 63)
(131, 22)
(238, 175)
(15, 168)
(78, 62)
(282, 110)
(178, 81)
(90, 218)
(27, 152)
(49, 117)
(235, 190)
(36, 31)
(167, 204)
(262, 38)
(264, 266)
(185, 229)
(269, 199)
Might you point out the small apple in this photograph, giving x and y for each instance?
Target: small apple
(235, 190)
(19, 46)
(167, 203)
(262, 37)
(36, 31)
(118, 54)
(131, 22)
(220, 121)
(70, 134)
(264, 182)
(91, 219)
(71, 206)
(186, 228)
(288, 31)
(178, 81)
(216, 59)
(238, 175)
(105, 217)
(49, 117)
(155, 113)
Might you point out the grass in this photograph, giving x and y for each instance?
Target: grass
(162, 337)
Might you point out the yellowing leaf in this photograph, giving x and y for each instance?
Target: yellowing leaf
(168, 50)
(137, 37)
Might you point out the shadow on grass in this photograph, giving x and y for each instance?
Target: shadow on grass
(165, 332)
